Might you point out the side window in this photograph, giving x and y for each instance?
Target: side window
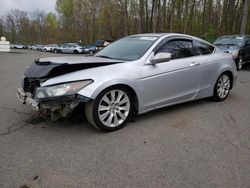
(178, 48)
(203, 48)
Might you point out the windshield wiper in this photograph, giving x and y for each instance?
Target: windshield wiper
(231, 44)
(227, 44)
(104, 56)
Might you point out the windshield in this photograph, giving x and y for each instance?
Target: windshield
(128, 49)
(229, 41)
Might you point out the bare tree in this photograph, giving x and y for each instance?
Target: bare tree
(244, 17)
(90, 20)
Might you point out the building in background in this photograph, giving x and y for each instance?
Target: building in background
(4, 45)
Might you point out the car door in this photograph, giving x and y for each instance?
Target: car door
(68, 49)
(247, 49)
(72, 48)
(63, 48)
(173, 81)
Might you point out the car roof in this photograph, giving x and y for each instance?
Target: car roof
(158, 35)
(234, 36)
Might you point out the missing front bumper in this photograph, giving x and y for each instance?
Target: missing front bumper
(24, 99)
(53, 108)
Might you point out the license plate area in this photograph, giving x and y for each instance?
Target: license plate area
(21, 95)
(24, 99)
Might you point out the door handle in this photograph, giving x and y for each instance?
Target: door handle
(194, 64)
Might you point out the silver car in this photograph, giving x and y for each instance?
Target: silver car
(133, 75)
(69, 48)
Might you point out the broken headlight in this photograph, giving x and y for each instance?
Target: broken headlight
(61, 89)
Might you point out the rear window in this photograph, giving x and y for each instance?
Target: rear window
(178, 48)
(203, 48)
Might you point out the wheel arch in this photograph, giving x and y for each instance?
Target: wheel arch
(230, 75)
(133, 94)
(231, 71)
(123, 85)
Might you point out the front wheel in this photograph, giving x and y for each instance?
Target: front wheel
(222, 87)
(111, 109)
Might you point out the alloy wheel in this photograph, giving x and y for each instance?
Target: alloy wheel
(223, 86)
(114, 108)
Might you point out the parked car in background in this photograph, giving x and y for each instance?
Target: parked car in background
(37, 47)
(57, 49)
(18, 46)
(89, 49)
(133, 75)
(29, 47)
(100, 44)
(238, 46)
(69, 48)
(49, 48)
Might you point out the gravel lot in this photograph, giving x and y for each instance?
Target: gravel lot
(197, 144)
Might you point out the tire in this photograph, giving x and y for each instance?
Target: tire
(222, 87)
(239, 64)
(111, 109)
(75, 52)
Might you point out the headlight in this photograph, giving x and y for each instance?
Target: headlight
(235, 53)
(61, 89)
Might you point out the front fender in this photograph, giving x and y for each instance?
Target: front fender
(92, 90)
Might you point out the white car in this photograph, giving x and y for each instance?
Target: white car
(18, 46)
(37, 47)
(49, 48)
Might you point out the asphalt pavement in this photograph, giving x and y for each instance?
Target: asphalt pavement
(196, 144)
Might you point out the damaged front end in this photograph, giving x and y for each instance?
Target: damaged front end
(58, 100)
(54, 101)
(53, 108)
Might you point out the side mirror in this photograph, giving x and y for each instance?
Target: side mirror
(161, 58)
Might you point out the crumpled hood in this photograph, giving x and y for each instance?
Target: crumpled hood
(75, 60)
(45, 68)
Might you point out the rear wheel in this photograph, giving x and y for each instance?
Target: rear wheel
(111, 109)
(222, 87)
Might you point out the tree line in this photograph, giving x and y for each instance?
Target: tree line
(89, 20)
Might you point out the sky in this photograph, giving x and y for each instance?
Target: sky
(27, 5)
